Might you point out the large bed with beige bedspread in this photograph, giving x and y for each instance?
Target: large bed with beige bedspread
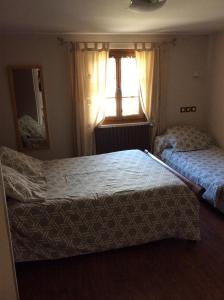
(102, 202)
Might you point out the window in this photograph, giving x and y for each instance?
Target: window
(123, 101)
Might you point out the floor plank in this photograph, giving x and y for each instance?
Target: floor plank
(169, 269)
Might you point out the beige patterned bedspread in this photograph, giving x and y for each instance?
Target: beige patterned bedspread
(103, 202)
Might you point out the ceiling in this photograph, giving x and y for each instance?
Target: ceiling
(109, 16)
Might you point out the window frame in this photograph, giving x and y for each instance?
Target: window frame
(118, 119)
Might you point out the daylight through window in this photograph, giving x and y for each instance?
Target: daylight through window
(123, 101)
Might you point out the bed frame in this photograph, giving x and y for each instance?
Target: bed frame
(197, 189)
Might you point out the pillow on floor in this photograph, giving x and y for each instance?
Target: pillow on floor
(24, 164)
(22, 188)
(187, 138)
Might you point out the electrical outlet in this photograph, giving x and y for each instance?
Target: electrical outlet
(183, 109)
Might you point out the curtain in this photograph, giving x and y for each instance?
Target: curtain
(152, 74)
(147, 61)
(89, 93)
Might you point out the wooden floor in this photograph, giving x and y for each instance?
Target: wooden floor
(168, 269)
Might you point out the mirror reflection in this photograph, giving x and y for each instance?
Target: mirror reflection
(29, 107)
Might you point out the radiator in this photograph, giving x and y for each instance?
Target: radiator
(122, 137)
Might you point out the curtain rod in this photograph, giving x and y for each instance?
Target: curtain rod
(62, 42)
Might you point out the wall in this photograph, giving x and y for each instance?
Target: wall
(189, 56)
(43, 50)
(187, 81)
(8, 286)
(216, 76)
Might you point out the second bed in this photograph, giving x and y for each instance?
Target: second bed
(193, 154)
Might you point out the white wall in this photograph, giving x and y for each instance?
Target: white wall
(187, 57)
(216, 78)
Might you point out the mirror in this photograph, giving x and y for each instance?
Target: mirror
(28, 100)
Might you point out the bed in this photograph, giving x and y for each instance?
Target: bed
(102, 202)
(203, 165)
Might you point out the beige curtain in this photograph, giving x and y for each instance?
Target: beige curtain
(147, 61)
(152, 80)
(89, 90)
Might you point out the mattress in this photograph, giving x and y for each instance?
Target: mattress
(103, 202)
(204, 167)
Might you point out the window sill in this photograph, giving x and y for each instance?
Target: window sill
(121, 124)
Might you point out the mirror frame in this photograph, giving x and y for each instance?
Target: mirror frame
(14, 106)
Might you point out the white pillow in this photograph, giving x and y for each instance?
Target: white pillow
(187, 138)
(160, 144)
(24, 164)
(21, 187)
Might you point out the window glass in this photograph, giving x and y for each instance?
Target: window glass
(122, 89)
(129, 79)
(130, 106)
(111, 78)
(129, 86)
(110, 107)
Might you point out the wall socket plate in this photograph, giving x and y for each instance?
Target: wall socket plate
(184, 109)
